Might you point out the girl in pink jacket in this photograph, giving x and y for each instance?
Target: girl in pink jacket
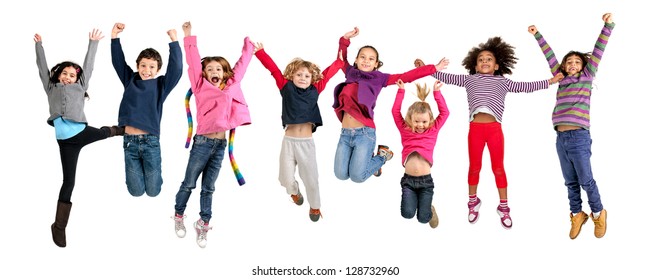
(221, 107)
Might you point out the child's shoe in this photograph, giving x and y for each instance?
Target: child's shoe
(577, 221)
(297, 199)
(314, 214)
(472, 217)
(179, 225)
(504, 213)
(600, 224)
(201, 233)
(434, 218)
(384, 152)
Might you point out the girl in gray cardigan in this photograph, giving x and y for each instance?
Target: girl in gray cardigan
(66, 86)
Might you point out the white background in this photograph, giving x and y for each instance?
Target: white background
(112, 235)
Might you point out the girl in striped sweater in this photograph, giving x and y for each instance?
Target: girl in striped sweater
(571, 121)
(486, 92)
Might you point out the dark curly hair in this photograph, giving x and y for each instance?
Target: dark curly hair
(503, 52)
(58, 69)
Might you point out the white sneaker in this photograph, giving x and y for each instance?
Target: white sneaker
(201, 233)
(179, 226)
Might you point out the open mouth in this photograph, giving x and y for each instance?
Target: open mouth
(214, 80)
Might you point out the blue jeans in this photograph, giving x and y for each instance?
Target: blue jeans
(574, 151)
(143, 164)
(205, 158)
(355, 159)
(417, 194)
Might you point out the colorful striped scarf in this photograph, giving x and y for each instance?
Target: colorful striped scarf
(231, 139)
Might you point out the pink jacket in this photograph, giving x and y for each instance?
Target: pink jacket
(218, 110)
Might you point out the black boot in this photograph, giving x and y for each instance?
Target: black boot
(60, 222)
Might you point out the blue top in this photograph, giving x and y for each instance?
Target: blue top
(142, 102)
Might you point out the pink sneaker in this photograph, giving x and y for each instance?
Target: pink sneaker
(504, 213)
(472, 217)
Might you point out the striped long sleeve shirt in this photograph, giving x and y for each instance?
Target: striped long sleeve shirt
(573, 98)
(488, 91)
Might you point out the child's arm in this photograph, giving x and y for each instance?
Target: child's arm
(175, 66)
(192, 58)
(546, 50)
(601, 43)
(447, 78)
(246, 55)
(41, 62)
(443, 111)
(420, 71)
(344, 43)
(329, 72)
(397, 106)
(94, 36)
(124, 72)
(270, 65)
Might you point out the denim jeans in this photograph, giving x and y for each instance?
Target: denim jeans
(417, 194)
(206, 157)
(574, 151)
(143, 164)
(355, 159)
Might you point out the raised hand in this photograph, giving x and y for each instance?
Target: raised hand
(187, 28)
(532, 29)
(37, 38)
(258, 46)
(442, 65)
(117, 28)
(351, 34)
(418, 62)
(400, 84)
(172, 34)
(95, 35)
(437, 85)
(607, 18)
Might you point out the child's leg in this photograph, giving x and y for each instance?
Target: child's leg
(363, 162)
(209, 177)
(579, 152)
(409, 197)
(496, 143)
(343, 153)
(475, 146)
(133, 165)
(199, 157)
(287, 168)
(308, 169)
(69, 152)
(564, 149)
(152, 166)
(425, 196)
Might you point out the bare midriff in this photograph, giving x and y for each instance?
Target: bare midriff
(483, 118)
(562, 128)
(416, 165)
(350, 122)
(300, 130)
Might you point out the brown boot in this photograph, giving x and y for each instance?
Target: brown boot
(60, 222)
(114, 130)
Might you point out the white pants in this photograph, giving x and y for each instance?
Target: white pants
(300, 152)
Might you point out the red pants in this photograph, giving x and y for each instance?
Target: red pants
(492, 135)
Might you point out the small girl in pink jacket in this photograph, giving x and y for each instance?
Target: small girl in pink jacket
(419, 132)
(221, 107)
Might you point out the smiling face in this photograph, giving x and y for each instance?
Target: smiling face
(572, 65)
(213, 72)
(367, 60)
(147, 68)
(486, 63)
(302, 78)
(68, 75)
(420, 122)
